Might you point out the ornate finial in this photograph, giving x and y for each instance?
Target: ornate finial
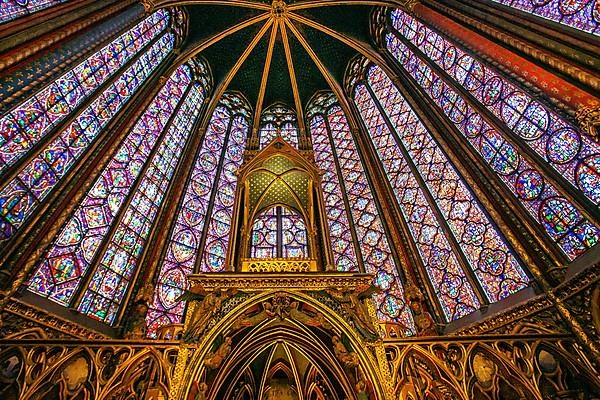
(589, 121)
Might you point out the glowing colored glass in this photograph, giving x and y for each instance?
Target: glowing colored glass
(31, 121)
(22, 195)
(217, 239)
(374, 245)
(450, 283)
(523, 179)
(110, 281)
(13, 9)
(294, 241)
(337, 218)
(579, 14)
(73, 250)
(224, 140)
(560, 143)
(264, 235)
(279, 233)
(495, 267)
(278, 120)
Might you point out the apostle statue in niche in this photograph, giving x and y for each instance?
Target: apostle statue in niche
(136, 324)
(424, 322)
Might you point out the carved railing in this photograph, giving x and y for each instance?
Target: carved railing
(74, 369)
(269, 265)
(483, 367)
(491, 367)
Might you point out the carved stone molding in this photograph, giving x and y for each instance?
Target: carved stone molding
(253, 282)
(52, 324)
(576, 293)
(276, 265)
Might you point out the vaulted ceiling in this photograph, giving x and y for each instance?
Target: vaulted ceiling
(278, 51)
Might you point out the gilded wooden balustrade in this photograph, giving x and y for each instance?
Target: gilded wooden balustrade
(483, 367)
(34, 367)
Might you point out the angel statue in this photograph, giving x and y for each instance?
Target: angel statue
(352, 303)
(207, 307)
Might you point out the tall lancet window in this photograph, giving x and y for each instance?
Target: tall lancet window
(95, 256)
(279, 232)
(13, 9)
(461, 249)
(579, 14)
(441, 69)
(46, 135)
(199, 237)
(278, 120)
(357, 231)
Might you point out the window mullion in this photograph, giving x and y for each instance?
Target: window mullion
(347, 208)
(85, 282)
(464, 263)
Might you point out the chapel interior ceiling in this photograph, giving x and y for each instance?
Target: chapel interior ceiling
(274, 52)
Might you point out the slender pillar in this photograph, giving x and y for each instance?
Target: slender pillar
(569, 96)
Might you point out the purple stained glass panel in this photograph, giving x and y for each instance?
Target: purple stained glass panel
(337, 218)
(374, 245)
(41, 175)
(278, 120)
(13, 9)
(556, 140)
(72, 251)
(579, 14)
(264, 237)
(183, 248)
(453, 289)
(220, 222)
(523, 179)
(112, 277)
(476, 235)
(34, 119)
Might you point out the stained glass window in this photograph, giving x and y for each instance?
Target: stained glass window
(557, 215)
(12, 9)
(561, 144)
(340, 231)
(223, 145)
(74, 250)
(279, 232)
(452, 287)
(217, 237)
(28, 123)
(118, 263)
(496, 268)
(278, 120)
(333, 141)
(579, 14)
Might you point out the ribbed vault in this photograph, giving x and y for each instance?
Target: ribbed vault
(279, 51)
